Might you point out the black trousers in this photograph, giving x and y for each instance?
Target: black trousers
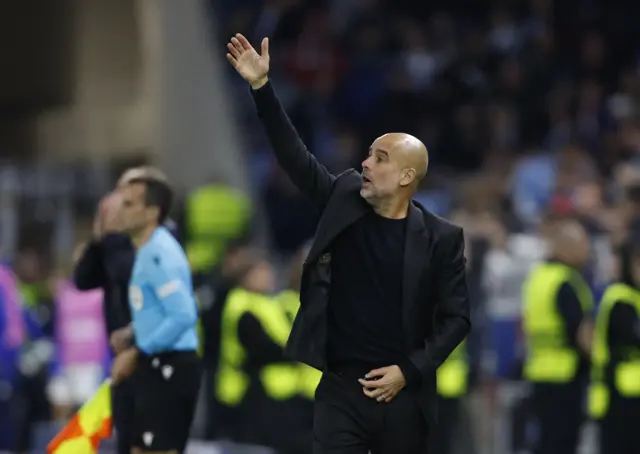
(284, 426)
(559, 416)
(346, 421)
(449, 412)
(123, 405)
(619, 432)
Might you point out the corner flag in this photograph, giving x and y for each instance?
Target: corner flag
(91, 425)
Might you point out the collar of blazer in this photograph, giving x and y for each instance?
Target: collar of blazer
(346, 206)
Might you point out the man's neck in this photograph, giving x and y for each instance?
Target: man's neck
(392, 208)
(141, 238)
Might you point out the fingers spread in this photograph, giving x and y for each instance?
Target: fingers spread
(244, 42)
(232, 60)
(233, 50)
(236, 43)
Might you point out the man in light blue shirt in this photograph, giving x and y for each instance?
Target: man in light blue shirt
(163, 307)
(164, 318)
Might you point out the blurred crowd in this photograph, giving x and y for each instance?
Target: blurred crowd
(530, 111)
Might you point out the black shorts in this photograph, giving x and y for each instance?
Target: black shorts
(166, 392)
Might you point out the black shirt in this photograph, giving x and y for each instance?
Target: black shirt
(365, 305)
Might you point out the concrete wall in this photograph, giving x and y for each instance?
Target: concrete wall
(108, 111)
(145, 78)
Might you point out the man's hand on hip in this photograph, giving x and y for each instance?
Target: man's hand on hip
(383, 384)
(124, 365)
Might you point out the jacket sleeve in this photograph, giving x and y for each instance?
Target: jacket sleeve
(118, 256)
(261, 348)
(452, 321)
(89, 271)
(571, 311)
(312, 178)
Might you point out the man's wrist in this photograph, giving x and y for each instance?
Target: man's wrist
(412, 375)
(258, 84)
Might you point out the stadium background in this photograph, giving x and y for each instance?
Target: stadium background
(529, 110)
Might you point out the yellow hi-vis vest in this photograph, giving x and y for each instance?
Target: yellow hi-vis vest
(453, 374)
(308, 377)
(214, 214)
(626, 376)
(279, 380)
(550, 356)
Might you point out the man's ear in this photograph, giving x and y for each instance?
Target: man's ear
(408, 176)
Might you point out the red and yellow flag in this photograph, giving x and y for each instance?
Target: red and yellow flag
(91, 425)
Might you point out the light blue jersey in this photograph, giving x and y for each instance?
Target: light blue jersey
(163, 307)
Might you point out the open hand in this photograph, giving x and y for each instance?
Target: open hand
(383, 384)
(250, 65)
(98, 220)
(112, 221)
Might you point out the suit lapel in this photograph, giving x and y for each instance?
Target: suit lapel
(416, 249)
(330, 226)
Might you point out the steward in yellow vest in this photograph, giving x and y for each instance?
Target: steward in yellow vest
(614, 394)
(214, 216)
(254, 381)
(557, 305)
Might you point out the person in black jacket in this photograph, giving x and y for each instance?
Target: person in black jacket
(384, 298)
(615, 352)
(106, 263)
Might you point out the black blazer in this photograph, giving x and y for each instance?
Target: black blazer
(435, 299)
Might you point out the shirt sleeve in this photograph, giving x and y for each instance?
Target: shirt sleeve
(624, 325)
(571, 310)
(261, 348)
(176, 302)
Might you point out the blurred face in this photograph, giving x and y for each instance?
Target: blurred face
(577, 246)
(382, 173)
(583, 254)
(261, 278)
(136, 215)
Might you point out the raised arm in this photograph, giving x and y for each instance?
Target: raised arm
(311, 177)
(88, 272)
